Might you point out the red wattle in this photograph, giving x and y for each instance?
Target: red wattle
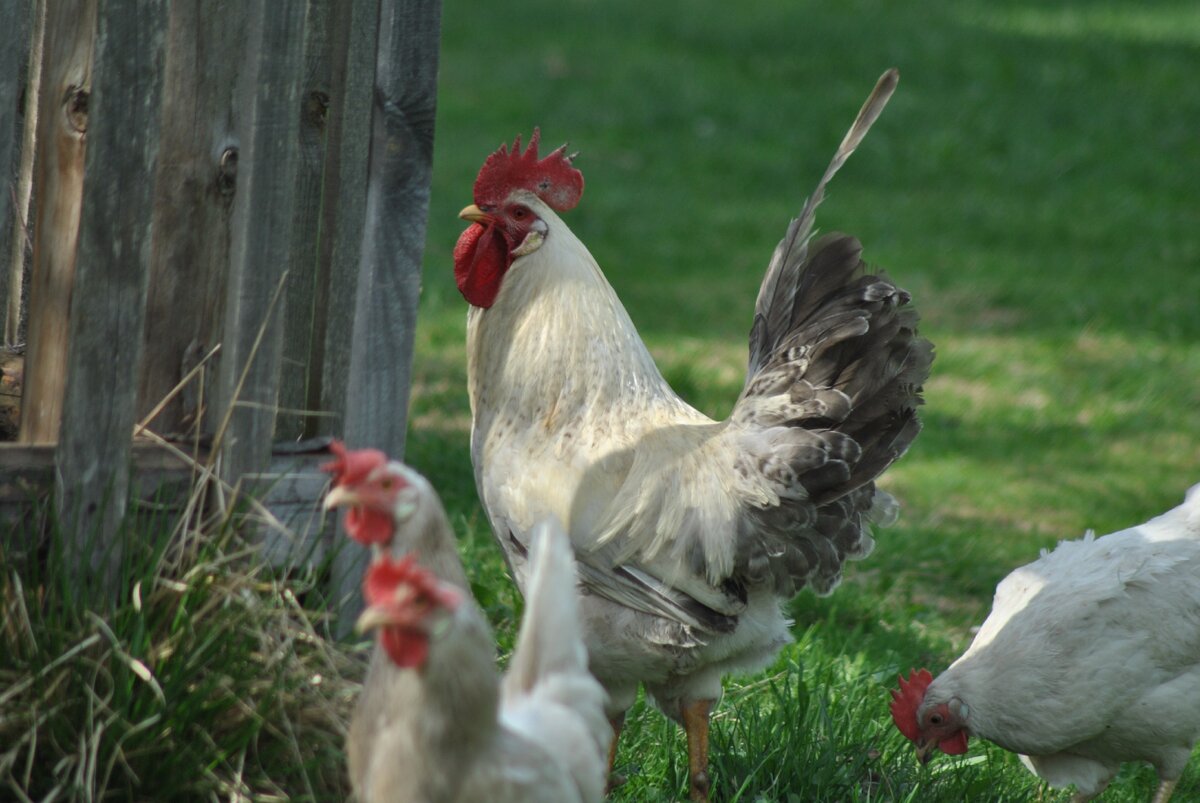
(407, 648)
(370, 526)
(480, 259)
(956, 745)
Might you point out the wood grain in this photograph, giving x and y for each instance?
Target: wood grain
(112, 270)
(62, 123)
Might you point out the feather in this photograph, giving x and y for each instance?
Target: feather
(779, 282)
(548, 642)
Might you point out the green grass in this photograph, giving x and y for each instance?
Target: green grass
(1032, 183)
(209, 678)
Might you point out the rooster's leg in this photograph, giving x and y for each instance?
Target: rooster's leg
(695, 724)
(614, 780)
(1164, 791)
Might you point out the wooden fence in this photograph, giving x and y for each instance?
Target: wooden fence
(228, 213)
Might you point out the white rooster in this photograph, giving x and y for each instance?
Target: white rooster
(688, 532)
(436, 723)
(1089, 658)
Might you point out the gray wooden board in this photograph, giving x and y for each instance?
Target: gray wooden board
(263, 215)
(303, 295)
(389, 278)
(13, 60)
(193, 198)
(112, 268)
(62, 121)
(356, 34)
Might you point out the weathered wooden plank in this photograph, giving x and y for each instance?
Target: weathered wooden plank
(12, 373)
(349, 37)
(303, 295)
(193, 199)
(389, 276)
(27, 476)
(294, 486)
(13, 70)
(111, 273)
(62, 121)
(263, 215)
(355, 42)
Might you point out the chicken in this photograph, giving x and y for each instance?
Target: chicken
(688, 532)
(1089, 658)
(436, 722)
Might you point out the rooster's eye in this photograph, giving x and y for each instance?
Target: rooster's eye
(386, 483)
(935, 719)
(520, 212)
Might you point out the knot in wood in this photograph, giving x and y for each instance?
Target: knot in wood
(75, 107)
(316, 108)
(227, 171)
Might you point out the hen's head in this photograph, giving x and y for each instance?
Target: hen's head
(929, 725)
(377, 493)
(511, 193)
(406, 604)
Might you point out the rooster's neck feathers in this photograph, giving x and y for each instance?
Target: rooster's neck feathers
(557, 317)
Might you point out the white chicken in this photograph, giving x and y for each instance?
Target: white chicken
(688, 532)
(436, 722)
(1089, 658)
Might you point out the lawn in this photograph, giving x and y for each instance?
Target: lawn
(1032, 183)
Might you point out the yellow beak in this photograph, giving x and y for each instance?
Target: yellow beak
(474, 214)
(925, 750)
(370, 619)
(340, 497)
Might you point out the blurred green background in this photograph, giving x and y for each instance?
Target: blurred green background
(1032, 183)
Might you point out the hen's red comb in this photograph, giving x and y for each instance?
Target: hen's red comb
(907, 700)
(351, 466)
(552, 179)
(385, 575)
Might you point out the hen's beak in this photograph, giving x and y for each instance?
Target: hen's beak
(340, 497)
(924, 750)
(370, 619)
(474, 214)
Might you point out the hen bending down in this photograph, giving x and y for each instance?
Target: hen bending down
(688, 532)
(1089, 658)
(436, 723)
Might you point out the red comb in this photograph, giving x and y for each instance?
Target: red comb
(351, 466)
(907, 700)
(552, 179)
(385, 575)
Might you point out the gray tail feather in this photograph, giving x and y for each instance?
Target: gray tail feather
(824, 327)
(822, 319)
(793, 248)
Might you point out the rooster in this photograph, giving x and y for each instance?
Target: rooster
(1089, 658)
(436, 722)
(688, 532)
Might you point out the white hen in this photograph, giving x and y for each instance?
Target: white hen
(1089, 658)
(436, 722)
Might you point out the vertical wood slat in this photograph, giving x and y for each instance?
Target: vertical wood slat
(303, 295)
(62, 120)
(196, 181)
(13, 61)
(389, 277)
(112, 270)
(356, 38)
(263, 213)
(356, 41)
